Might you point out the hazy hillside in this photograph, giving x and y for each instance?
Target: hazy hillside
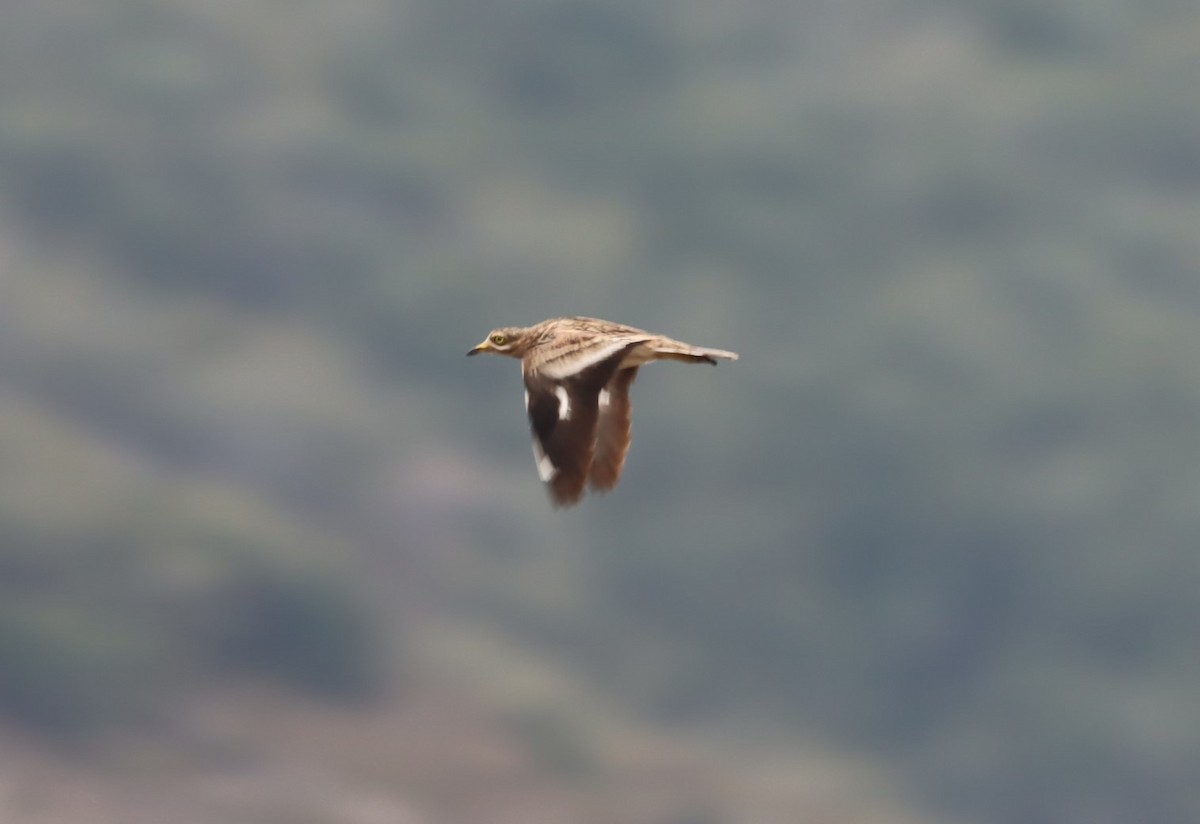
(942, 515)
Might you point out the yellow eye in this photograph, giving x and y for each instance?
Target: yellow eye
(499, 340)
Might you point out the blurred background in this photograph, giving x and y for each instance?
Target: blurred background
(273, 550)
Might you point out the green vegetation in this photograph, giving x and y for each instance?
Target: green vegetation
(124, 584)
(945, 506)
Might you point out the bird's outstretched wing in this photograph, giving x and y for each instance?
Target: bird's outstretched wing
(564, 417)
(614, 430)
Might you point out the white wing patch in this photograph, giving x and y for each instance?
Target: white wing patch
(605, 398)
(526, 400)
(573, 366)
(564, 403)
(545, 467)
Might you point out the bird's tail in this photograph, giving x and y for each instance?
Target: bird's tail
(720, 354)
(676, 350)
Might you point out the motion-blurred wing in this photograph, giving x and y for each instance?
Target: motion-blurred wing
(564, 415)
(614, 430)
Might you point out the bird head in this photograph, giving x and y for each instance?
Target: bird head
(508, 340)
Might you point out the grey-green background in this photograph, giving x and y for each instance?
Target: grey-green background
(943, 516)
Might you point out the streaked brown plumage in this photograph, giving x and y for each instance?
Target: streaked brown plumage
(577, 375)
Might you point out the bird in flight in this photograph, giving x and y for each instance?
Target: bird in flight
(577, 376)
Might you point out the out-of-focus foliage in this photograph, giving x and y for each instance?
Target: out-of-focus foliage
(125, 583)
(946, 505)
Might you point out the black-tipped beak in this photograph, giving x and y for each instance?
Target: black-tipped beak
(484, 345)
